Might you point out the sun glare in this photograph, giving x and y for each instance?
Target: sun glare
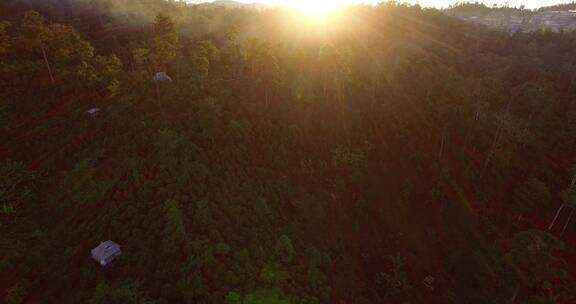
(317, 9)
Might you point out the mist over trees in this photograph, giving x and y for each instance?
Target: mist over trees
(239, 155)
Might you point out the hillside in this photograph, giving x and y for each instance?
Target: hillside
(392, 155)
(554, 18)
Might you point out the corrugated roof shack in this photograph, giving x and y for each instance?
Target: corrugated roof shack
(106, 252)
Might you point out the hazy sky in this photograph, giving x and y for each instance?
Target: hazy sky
(444, 3)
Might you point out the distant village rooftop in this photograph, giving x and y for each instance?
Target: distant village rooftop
(524, 21)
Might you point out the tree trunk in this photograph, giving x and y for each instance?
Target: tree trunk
(526, 129)
(509, 105)
(159, 99)
(551, 297)
(556, 217)
(567, 221)
(492, 149)
(158, 93)
(571, 83)
(47, 64)
(477, 117)
(178, 72)
(479, 107)
(515, 295)
(441, 146)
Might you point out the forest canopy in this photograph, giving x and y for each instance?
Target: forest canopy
(240, 155)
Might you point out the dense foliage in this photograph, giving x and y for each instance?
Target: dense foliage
(397, 155)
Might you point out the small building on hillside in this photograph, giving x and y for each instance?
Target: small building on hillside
(106, 252)
(162, 77)
(93, 112)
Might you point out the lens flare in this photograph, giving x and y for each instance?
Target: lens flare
(316, 8)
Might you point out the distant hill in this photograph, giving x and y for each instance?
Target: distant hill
(556, 18)
(228, 3)
(231, 3)
(559, 7)
(236, 4)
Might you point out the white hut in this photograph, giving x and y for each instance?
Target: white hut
(106, 252)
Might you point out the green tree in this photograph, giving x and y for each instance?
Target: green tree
(273, 273)
(233, 298)
(185, 289)
(284, 251)
(209, 113)
(530, 194)
(572, 172)
(395, 282)
(203, 214)
(532, 254)
(15, 186)
(265, 296)
(142, 61)
(204, 56)
(169, 143)
(69, 49)
(267, 71)
(174, 232)
(314, 273)
(35, 34)
(207, 49)
(568, 197)
(166, 42)
(508, 132)
(15, 294)
(4, 38)
(103, 74)
(530, 100)
(104, 294)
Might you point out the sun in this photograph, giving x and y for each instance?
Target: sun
(316, 9)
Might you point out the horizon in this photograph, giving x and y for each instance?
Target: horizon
(530, 4)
